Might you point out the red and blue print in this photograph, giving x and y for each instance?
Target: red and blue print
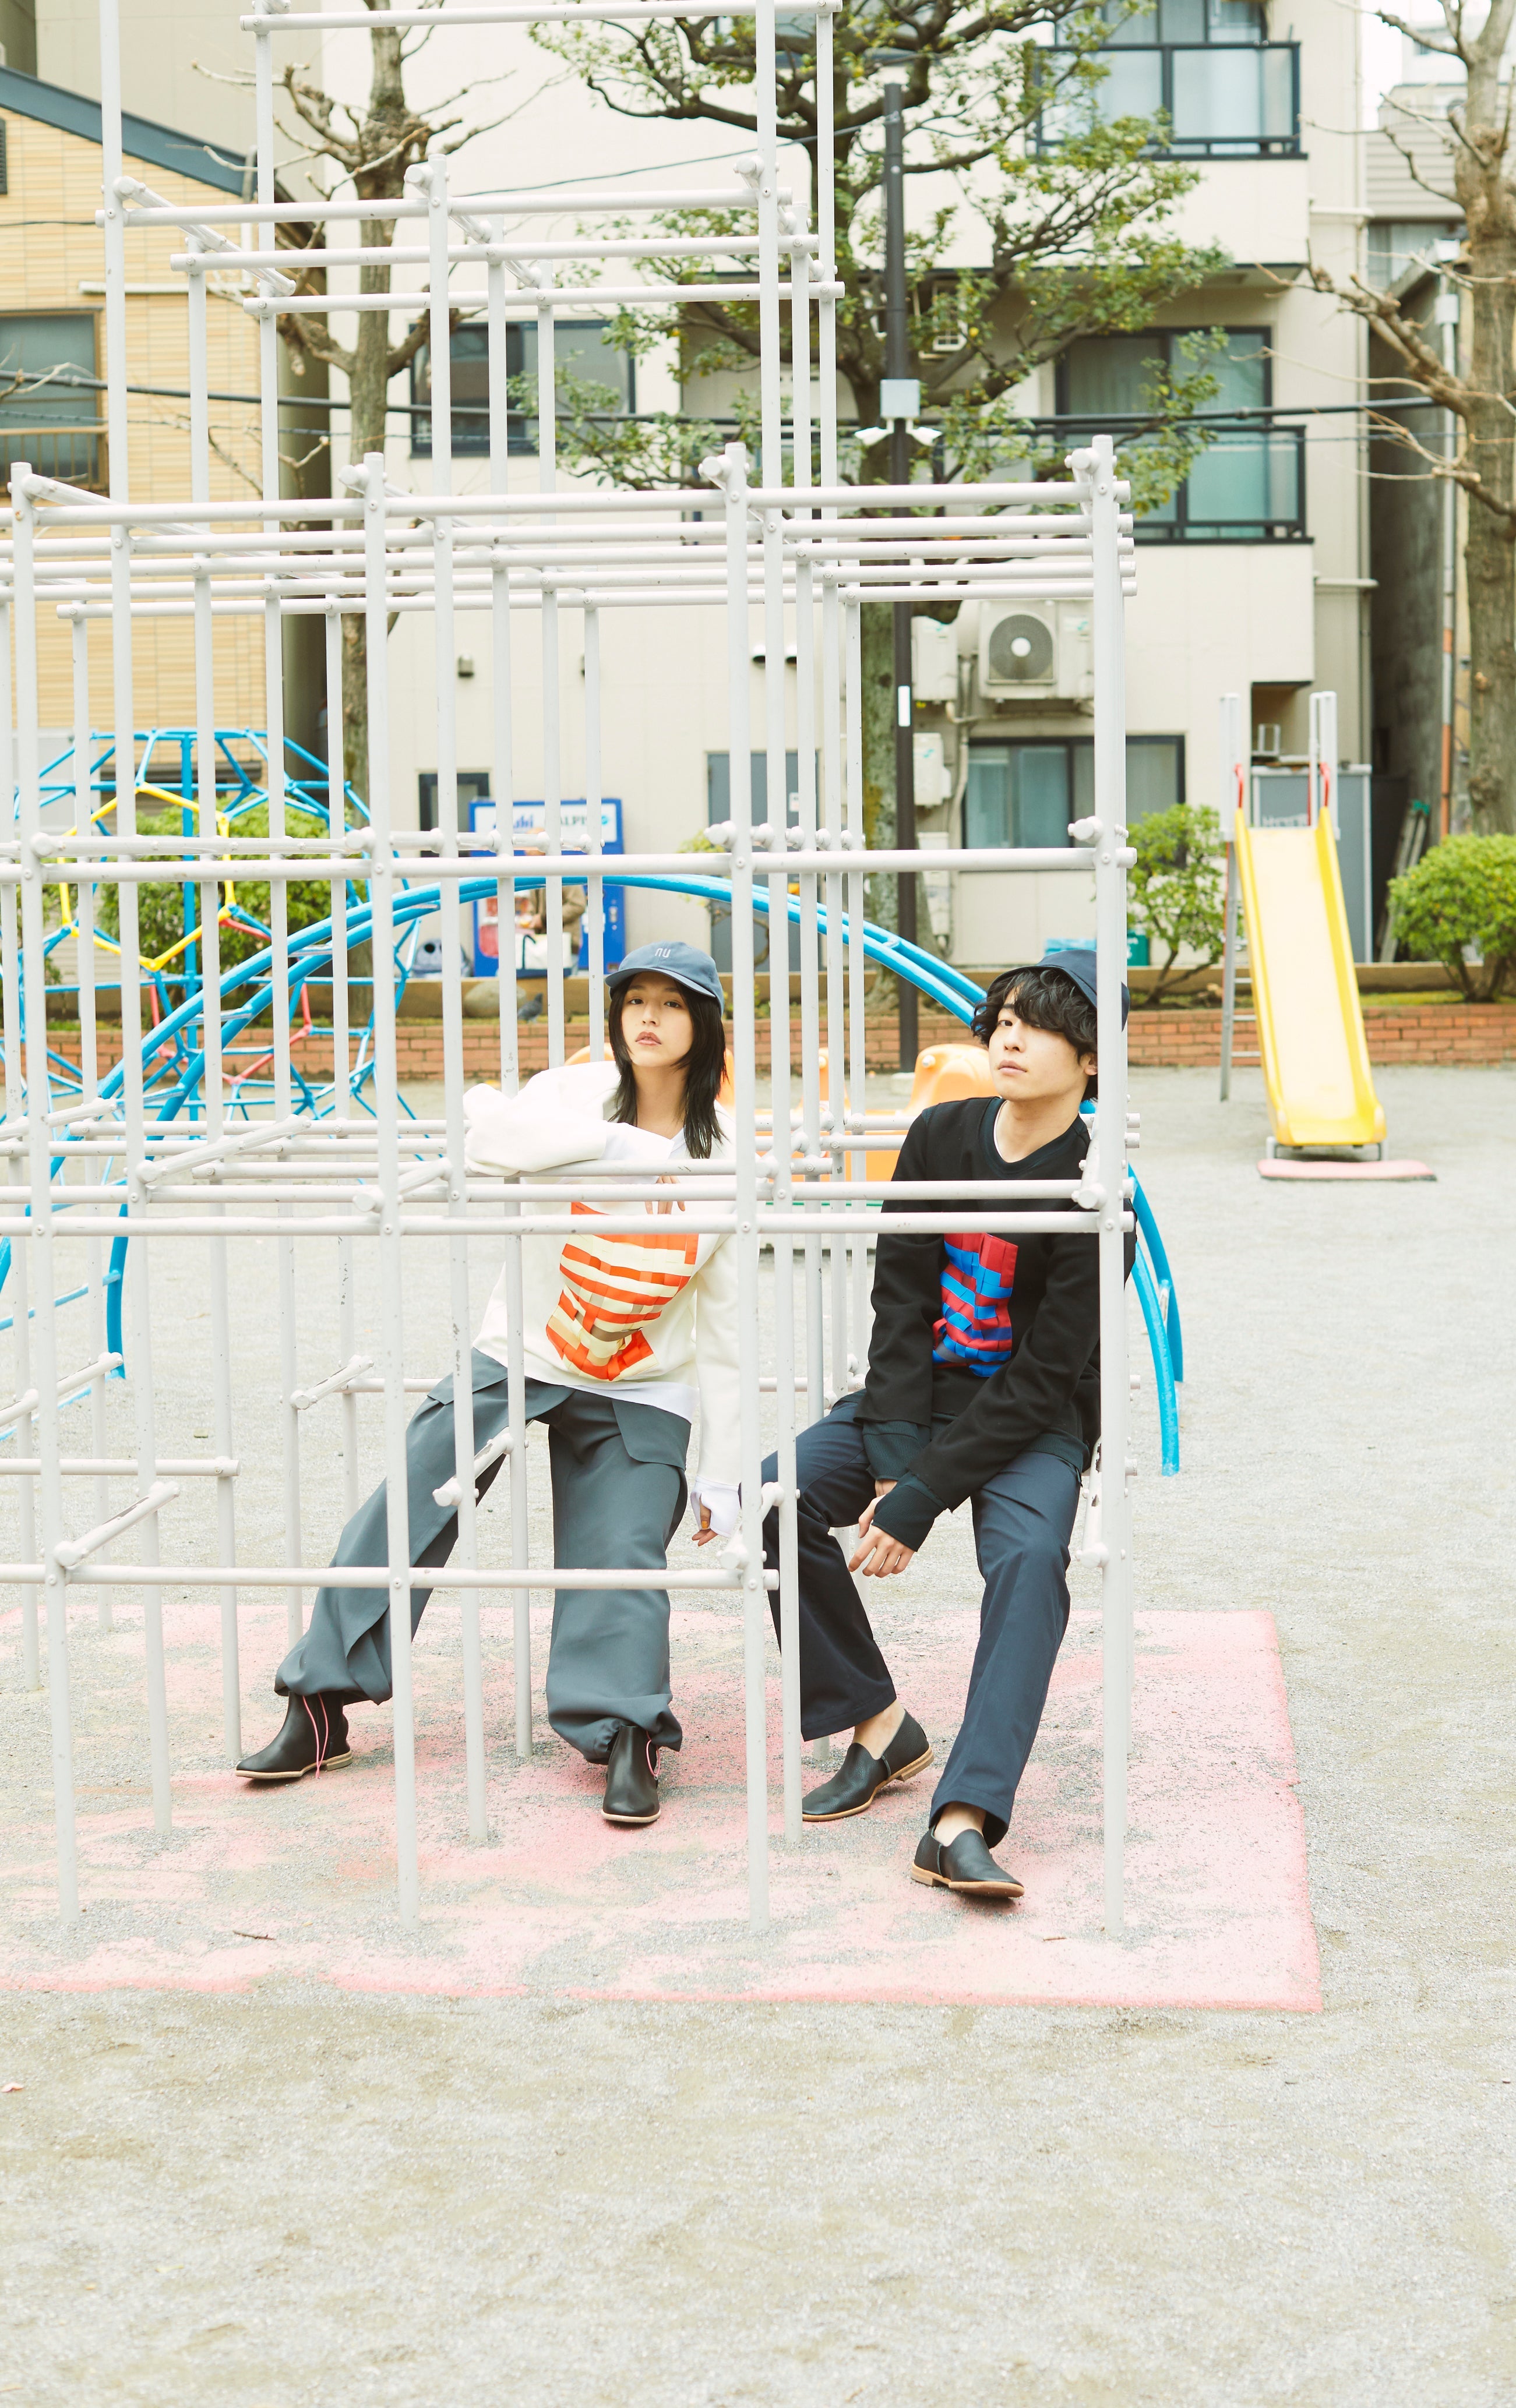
(976, 1281)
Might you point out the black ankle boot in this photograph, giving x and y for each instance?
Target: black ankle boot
(631, 1789)
(314, 1739)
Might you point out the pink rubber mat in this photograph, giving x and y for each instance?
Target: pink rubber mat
(300, 1883)
(1328, 1169)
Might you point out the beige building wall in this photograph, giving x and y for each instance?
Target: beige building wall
(52, 262)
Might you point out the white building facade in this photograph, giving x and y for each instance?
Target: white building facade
(1256, 580)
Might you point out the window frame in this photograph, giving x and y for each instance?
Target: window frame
(1012, 742)
(1191, 146)
(1182, 528)
(521, 425)
(96, 478)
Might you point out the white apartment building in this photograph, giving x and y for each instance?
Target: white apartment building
(1255, 580)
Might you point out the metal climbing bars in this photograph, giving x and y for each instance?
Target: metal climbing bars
(334, 1167)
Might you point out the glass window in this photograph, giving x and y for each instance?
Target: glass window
(474, 787)
(986, 796)
(1107, 376)
(1396, 244)
(1183, 21)
(1230, 21)
(581, 351)
(1129, 26)
(50, 410)
(1247, 485)
(718, 786)
(1154, 775)
(1040, 812)
(1217, 96)
(1027, 794)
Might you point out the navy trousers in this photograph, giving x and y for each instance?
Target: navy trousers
(1023, 1520)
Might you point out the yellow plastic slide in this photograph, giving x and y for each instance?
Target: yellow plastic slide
(1310, 1022)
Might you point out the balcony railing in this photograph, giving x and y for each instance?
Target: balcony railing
(1221, 100)
(71, 453)
(1248, 486)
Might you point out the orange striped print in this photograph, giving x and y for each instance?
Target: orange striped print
(611, 1289)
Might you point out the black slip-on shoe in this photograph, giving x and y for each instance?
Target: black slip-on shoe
(631, 1789)
(965, 1865)
(315, 1737)
(853, 1789)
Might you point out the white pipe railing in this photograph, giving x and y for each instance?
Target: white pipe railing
(802, 554)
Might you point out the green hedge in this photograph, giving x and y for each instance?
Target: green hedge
(161, 909)
(1463, 893)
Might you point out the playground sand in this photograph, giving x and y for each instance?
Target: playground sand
(268, 2198)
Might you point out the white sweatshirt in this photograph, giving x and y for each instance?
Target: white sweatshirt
(652, 1319)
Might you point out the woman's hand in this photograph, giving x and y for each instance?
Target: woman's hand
(877, 1554)
(718, 1504)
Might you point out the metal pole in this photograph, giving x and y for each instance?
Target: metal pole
(755, 1606)
(1098, 466)
(20, 1270)
(138, 1281)
(212, 1080)
(390, 1264)
(1232, 775)
(502, 779)
(433, 178)
(39, 1103)
(896, 372)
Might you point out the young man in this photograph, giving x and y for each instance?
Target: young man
(983, 1384)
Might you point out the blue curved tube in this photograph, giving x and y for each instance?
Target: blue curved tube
(1168, 1403)
(1168, 1295)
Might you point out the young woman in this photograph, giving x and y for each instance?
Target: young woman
(622, 1335)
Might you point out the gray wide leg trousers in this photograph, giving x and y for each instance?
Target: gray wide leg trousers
(618, 1496)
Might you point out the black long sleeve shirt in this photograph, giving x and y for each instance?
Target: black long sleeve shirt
(997, 1336)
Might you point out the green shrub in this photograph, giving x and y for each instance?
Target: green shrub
(1462, 893)
(1177, 888)
(161, 909)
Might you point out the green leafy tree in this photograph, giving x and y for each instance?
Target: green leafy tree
(1175, 889)
(1070, 212)
(1463, 894)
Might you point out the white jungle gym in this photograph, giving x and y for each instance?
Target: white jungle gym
(101, 1171)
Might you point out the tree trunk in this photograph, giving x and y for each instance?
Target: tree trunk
(1490, 572)
(1483, 177)
(385, 124)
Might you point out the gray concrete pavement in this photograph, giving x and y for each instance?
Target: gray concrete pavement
(301, 2196)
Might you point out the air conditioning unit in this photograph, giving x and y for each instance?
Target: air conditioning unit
(1038, 650)
(933, 661)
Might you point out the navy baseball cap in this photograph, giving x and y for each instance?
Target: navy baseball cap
(1078, 962)
(685, 964)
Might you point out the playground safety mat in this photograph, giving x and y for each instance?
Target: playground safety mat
(300, 1883)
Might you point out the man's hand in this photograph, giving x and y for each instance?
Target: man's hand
(705, 1535)
(877, 1554)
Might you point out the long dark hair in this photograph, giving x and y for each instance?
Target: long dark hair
(706, 1066)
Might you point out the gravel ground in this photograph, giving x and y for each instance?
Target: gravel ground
(274, 2200)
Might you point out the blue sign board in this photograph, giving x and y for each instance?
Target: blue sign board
(528, 821)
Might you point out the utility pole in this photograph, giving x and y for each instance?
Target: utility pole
(899, 404)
